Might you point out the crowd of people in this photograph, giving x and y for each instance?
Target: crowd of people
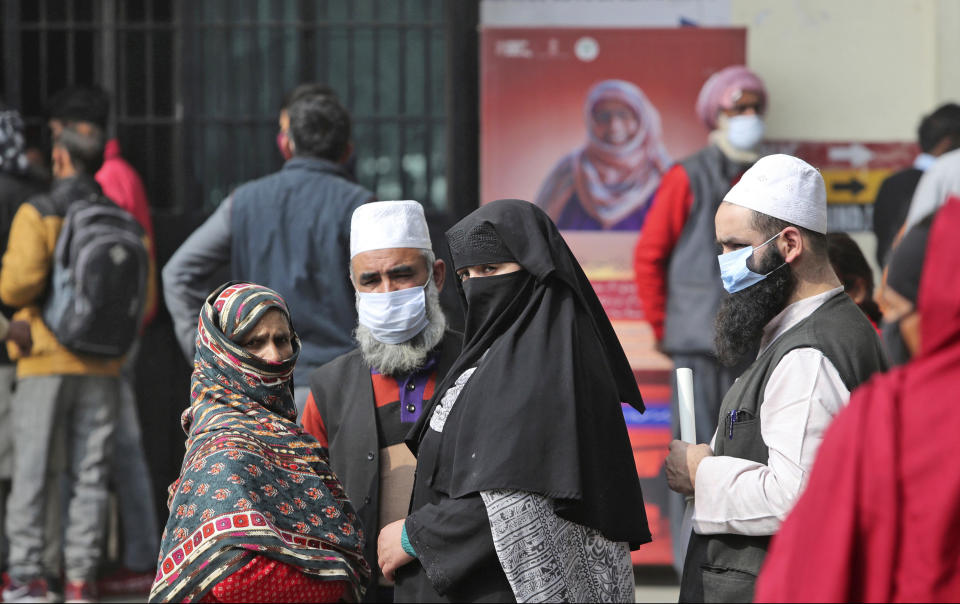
(343, 442)
(70, 422)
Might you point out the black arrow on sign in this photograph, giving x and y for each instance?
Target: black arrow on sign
(853, 185)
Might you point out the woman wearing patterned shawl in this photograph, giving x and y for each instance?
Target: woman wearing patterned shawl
(609, 182)
(257, 515)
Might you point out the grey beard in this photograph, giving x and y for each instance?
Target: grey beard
(409, 356)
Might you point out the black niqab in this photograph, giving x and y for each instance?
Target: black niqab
(542, 411)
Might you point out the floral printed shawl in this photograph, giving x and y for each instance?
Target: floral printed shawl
(252, 482)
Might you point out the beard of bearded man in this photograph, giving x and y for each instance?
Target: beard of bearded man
(404, 358)
(743, 315)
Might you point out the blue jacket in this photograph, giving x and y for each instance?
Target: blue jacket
(289, 231)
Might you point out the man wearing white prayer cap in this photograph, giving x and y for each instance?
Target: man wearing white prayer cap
(363, 403)
(815, 346)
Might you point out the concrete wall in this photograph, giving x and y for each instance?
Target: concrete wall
(855, 69)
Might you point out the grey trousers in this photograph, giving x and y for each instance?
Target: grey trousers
(711, 380)
(8, 375)
(130, 480)
(83, 411)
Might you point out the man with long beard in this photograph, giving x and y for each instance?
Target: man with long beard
(363, 403)
(815, 347)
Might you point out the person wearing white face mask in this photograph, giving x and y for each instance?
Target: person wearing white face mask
(674, 261)
(815, 346)
(363, 403)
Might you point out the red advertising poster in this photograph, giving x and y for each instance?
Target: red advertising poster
(584, 122)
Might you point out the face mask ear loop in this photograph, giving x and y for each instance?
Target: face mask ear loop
(429, 275)
(768, 241)
(765, 243)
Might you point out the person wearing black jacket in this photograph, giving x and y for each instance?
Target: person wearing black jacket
(526, 487)
(939, 133)
(363, 403)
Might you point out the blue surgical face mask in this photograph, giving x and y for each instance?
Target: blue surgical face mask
(745, 131)
(735, 273)
(394, 317)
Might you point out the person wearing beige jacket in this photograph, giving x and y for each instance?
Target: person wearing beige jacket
(59, 393)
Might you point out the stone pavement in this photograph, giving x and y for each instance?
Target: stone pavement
(656, 584)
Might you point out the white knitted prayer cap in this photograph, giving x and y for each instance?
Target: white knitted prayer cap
(381, 225)
(784, 187)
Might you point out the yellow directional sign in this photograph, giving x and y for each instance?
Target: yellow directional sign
(852, 185)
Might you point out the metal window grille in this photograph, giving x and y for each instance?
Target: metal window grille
(127, 48)
(197, 85)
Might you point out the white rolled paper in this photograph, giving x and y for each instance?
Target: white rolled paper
(688, 433)
(688, 421)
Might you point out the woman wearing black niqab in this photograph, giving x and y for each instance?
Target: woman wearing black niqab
(526, 486)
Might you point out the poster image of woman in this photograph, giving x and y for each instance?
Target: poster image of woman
(608, 183)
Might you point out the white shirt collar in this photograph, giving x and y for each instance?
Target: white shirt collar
(793, 314)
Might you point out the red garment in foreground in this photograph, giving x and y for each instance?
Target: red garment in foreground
(661, 230)
(266, 580)
(880, 518)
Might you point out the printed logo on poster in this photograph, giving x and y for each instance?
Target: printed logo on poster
(514, 49)
(587, 49)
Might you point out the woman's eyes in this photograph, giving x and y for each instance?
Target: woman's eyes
(484, 269)
(259, 342)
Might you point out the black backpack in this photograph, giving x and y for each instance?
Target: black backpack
(99, 279)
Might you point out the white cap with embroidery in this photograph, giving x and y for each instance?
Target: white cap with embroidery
(784, 187)
(380, 225)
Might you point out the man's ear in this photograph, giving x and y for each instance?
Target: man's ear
(791, 244)
(439, 274)
(858, 290)
(60, 161)
(347, 152)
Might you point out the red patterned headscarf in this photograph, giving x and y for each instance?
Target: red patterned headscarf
(252, 481)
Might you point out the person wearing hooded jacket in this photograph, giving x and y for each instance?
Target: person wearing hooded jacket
(525, 486)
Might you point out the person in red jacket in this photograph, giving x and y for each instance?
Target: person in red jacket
(675, 261)
(130, 473)
(119, 180)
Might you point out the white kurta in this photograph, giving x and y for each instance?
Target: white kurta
(801, 398)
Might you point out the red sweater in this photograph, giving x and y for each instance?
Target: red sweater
(121, 183)
(661, 231)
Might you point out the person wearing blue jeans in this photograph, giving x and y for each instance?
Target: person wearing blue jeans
(130, 478)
